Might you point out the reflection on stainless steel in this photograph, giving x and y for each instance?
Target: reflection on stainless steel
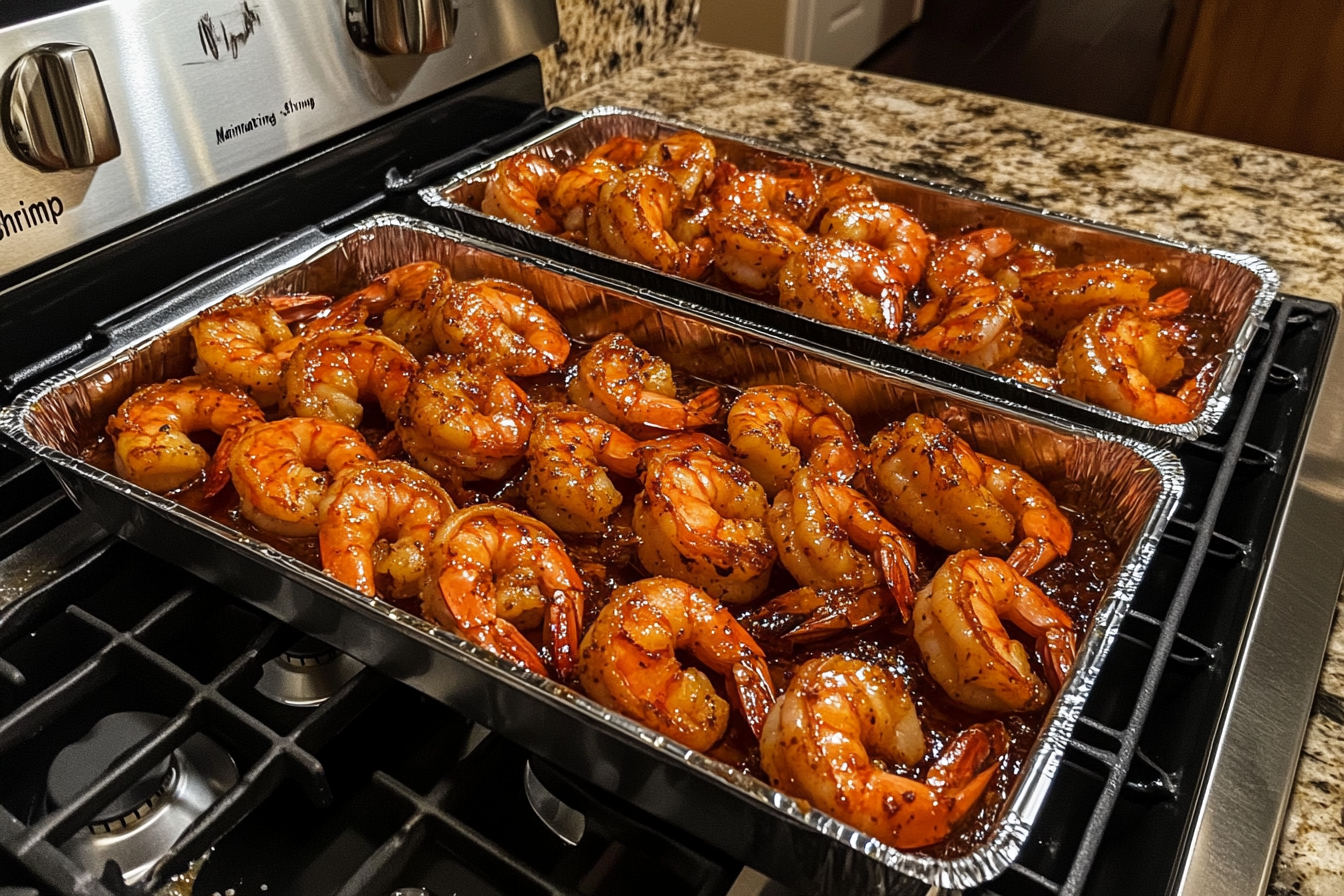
(137, 828)
(56, 111)
(306, 674)
(401, 27)
(1249, 779)
(40, 561)
(217, 88)
(1131, 487)
(1234, 291)
(564, 820)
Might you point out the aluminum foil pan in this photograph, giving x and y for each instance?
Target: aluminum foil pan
(1233, 290)
(1132, 486)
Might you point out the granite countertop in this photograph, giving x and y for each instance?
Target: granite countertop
(1286, 208)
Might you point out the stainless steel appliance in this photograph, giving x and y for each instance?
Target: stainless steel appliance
(347, 780)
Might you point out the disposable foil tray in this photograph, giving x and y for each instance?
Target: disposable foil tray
(1132, 486)
(1232, 290)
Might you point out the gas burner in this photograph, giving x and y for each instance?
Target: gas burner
(138, 827)
(306, 674)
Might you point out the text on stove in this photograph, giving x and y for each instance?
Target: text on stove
(30, 215)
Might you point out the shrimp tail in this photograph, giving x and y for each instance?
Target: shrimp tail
(754, 691)
(389, 445)
(1031, 555)
(217, 473)
(298, 307)
(1057, 650)
(561, 639)
(897, 573)
(969, 760)
(505, 640)
(1169, 304)
(703, 409)
(806, 614)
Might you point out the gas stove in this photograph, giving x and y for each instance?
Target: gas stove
(159, 735)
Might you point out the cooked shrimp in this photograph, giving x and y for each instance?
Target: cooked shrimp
(623, 151)
(628, 662)
(403, 297)
(687, 157)
(750, 247)
(495, 572)
(774, 430)
(699, 518)
(838, 715)
(843, 187)
(1058, 299)
(568, 459)
(624, 384)
(886, 226)
(330, 374)
(833, 540)
(1024, 261)
(963, 260)
(1119, 359)
(635, 213)
(791, 190)
(577, 190)
(516, 189)
(849, 284)
(1030, 372)
(929, 479)
(464, 421)
(282, 469)
(499, 323)
(151, 430)
(375, 525)
(244, 341)
(968, 651)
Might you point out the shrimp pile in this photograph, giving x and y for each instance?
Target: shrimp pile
(860, 618)
(821, 242)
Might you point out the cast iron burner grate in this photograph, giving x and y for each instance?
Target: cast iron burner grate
(379, 787)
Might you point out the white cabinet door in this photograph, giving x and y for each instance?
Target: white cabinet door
(843, 32)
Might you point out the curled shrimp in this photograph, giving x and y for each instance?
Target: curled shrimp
(401, 298)
(958, 627)
(330, 374)
(569, 456)
(1119, 359)
(1032, 373)
(462, 421)
(626, 385)
(927, 478)
(282, 469)
(499, 323)
(750, 248)
(151, 430)
(635, 214)
(375, 526)
(852, 285)
(629, 662)
(886, 226)
(495, 572)
(687, 157)
(700, 518)
(1058, 299)
(516, 189)
(244, 341)
(837, 545)
(576, 190)
(972, 319)
(625, 152)
(836, 717)
(774, 430)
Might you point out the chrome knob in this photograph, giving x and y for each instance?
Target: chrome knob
(55, 111)
(401, 27)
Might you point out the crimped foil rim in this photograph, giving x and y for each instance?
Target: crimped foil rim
(1233, 357)
(1023, 802)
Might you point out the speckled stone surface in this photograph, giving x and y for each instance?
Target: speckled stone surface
(1287, 208)
(600, 38)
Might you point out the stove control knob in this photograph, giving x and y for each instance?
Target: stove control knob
(55, 111)
(401, 27)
